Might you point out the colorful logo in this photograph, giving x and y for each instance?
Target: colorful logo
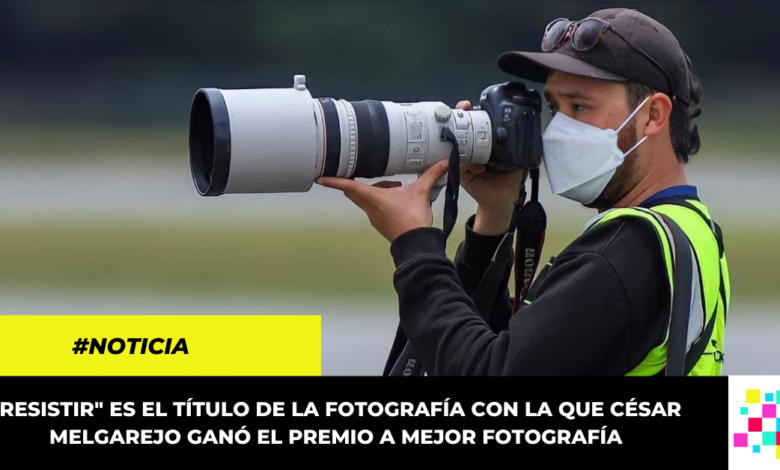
(763, 429)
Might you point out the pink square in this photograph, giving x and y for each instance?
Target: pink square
(769, 411)
(740, 439)
(755, 424)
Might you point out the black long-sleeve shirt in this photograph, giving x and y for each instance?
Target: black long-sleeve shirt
(601, 308)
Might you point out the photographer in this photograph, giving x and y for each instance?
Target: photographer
(623, 98)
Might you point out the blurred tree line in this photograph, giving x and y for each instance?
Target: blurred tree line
(137, 63)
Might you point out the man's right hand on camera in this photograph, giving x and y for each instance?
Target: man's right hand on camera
(495, 193)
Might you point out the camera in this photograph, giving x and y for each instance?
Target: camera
(271, 140)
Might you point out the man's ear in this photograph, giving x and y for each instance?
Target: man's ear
(660, 111)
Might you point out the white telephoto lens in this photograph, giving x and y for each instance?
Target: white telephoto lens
(282, 139)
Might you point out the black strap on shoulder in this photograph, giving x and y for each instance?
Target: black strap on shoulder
(676, 201)
(681, 300)
(677, 363)
(718, 233)
(699, 346)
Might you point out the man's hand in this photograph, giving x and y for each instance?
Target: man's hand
(494, 192)
(391, 208)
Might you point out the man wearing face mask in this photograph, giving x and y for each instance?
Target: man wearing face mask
(623, 97)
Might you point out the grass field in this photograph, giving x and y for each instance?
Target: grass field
(196, 259)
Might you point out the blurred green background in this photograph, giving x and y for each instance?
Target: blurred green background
(98, 213)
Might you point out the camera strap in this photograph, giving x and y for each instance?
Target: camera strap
(402, 360)
(484, 295)
(530, 223)
(453, 183)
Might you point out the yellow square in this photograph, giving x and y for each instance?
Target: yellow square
(777, 451)
(226, 345)
(754, 396)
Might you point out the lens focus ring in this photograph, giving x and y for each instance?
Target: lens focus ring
(352, 125)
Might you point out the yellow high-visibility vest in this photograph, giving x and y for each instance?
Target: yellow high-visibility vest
(710, 283)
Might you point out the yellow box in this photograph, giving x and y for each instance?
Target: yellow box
(754, 396)
(215, 345)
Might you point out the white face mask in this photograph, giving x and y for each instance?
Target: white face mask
(580, 159)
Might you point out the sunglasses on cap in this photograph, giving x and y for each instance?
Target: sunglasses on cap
(585, 34)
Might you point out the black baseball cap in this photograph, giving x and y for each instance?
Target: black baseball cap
(613, 59)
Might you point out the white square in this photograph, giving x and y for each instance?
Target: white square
(769, 425)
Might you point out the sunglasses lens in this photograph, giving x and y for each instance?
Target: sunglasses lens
(554, 33)
(587, 34)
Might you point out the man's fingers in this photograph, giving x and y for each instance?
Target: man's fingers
(343, 184)
(465, 105)
(433, 174)
(357, 192)
(387, 184)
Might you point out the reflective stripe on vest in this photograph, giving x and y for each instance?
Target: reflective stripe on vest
(710, 282)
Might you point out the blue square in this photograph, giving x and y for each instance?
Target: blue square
(743, 411)
(756, 449)
(769, 397)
